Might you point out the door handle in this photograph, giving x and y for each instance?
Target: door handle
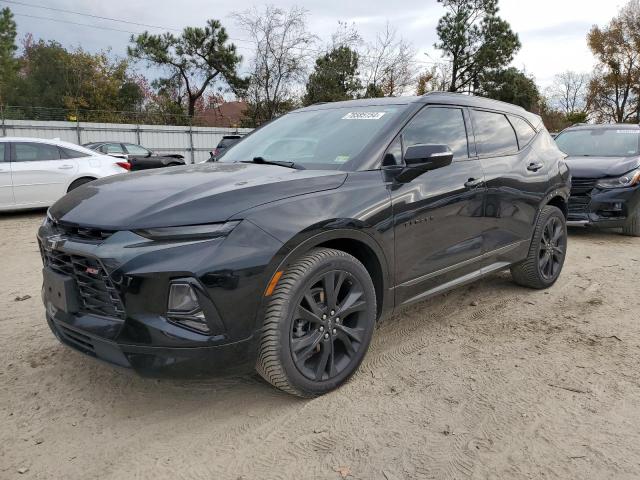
(534, 166)
(65, 167)
(473, 182)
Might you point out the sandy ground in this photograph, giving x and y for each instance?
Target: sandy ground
(490, 381)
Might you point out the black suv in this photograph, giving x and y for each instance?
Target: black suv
(605, 168)
(283, 255)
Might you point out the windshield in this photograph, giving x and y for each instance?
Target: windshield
(315, 139)
(600, 142)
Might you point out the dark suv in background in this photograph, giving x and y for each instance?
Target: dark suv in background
(283, 255)
(605, 169)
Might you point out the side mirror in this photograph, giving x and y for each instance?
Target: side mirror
(419, 159)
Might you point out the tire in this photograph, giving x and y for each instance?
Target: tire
(535, 271)
(632, 228)
(296, 339)
(174, 164)
(81, 181)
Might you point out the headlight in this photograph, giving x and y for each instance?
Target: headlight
(189, 232)
(627, 180)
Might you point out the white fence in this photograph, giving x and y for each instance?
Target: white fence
(194, 143)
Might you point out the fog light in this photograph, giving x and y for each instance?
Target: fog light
(182, 298)
(183, 308)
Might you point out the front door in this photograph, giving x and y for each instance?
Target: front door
(438, 216)
(6, 186)
(40, 176)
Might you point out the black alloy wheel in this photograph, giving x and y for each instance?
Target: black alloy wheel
(552, 248)
(328, 326)
(318, 323)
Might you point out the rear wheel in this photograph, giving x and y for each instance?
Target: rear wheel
(318, 324)
(81, 181)
(547, 252)
(632, 228)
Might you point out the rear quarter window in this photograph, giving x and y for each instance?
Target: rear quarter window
(494, 134)
(524, 131)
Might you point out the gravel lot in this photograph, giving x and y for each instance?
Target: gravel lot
(489, 381)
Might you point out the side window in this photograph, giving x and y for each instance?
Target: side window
(2, 151)
(137, 150)
(112, 148)
(494, 134)
(524, 131)
(30, 152)
(71, 153)
(438, 125)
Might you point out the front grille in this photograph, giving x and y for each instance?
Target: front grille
(98, 293)
(582, 186)
(83, 234)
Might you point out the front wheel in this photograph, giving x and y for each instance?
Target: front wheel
(318, 323)
(547, 252)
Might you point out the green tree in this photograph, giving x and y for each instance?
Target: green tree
(8, 63)
(334, 78)
(53, 77)
(198, 57)
(614, 89)
(475, 39)
(510, 85)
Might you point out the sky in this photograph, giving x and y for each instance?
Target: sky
(552, 32)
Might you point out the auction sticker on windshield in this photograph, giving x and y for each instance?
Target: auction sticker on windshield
(363, 116)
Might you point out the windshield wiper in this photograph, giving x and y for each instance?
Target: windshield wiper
(263, 161)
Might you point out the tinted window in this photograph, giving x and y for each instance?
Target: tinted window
(2, 149)
(137, 150)
(393, 155)
(29, 152)
(600, 142)
(524, 131)
(227, 142)
(494, 134)
(71, 153)
(441, 126)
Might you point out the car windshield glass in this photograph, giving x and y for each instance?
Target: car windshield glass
(600, 142)
(315, 139)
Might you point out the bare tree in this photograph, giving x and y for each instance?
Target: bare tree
(281, 58)
(568, 93)
(435, 79)
(387, 64)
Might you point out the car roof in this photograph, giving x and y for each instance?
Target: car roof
(439, 98)
(49, 141)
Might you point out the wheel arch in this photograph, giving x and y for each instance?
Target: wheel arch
(358, 244)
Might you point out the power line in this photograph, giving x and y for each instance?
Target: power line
(54, 9)
(101, 27)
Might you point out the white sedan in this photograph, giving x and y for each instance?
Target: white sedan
(35, 172)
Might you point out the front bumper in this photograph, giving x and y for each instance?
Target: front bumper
(603, 208)
(122, 316)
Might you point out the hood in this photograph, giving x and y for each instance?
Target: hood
(190, 195)
(598, 167)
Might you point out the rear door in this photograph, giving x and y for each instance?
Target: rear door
(6, 186)
(40, 175)
(438, 218)
(516, 178)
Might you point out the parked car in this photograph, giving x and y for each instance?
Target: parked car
(223, 145)
(285, 254)
(139, 157)
(605, 166)
(35, 172)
